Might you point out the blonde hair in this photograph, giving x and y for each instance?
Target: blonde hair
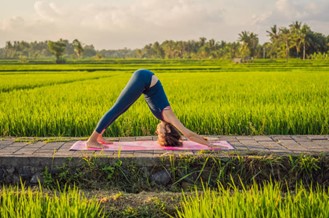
(171, 137)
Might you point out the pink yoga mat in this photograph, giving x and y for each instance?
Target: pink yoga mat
(152, 145)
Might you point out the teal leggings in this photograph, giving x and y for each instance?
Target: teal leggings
(138, 84)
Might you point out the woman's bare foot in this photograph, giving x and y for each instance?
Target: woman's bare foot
(94, 144)
(101, 140)
(96, 141)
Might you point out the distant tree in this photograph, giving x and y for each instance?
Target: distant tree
(169, 48)
(249, 43)
(89, 51)
(295, 36)
(316, 43)
(57, 48)
(98, 57)
(158, 52)
(266, 47)
(284, 41)
(298, 36)
(139, 53)
(179, 49)
(78, 49)
(296, 40)
(244, 38)
(147, 51)
(213, 48)
(204, 51)
(253, 44)
(9, 50)
(274, 38)
(304, 31)
(273, 33)
(203, 48)
(202, 41)
(232, 50)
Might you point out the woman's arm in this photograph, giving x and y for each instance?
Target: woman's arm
(170, 117)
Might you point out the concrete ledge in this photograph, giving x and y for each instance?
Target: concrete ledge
(28, 157)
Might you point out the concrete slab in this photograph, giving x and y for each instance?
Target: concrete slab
(281, 137)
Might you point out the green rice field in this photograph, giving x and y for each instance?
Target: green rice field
(256, 201)
(265, 200)
(25, 202)
(209, 97)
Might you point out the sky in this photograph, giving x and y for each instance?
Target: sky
(115, 24)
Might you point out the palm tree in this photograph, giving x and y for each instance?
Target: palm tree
(274, 37)
(253, 43)
(244, 39)
(296, 36)
(284, 40)
(273, 33)
(249, 43)
(202, 41)
(304, 31)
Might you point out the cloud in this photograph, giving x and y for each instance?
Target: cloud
(117, 24)
(47, 11)
(47, 23)
(287, 11)
(319, 12)
(149, 14)
(131, 23)
(134, 23)
(11, 23)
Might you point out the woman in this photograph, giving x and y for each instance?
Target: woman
(145, 82)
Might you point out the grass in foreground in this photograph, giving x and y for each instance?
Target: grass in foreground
(266, 201)
(22, 202)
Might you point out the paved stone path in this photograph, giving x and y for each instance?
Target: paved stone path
(28, 157)
(244, 145)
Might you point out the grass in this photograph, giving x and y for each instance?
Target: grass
(25, 202)
(270, 199)
(209, 97)
(257, 201)
(186, 171)
(20, 81)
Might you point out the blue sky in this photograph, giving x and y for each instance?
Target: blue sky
(113, 24)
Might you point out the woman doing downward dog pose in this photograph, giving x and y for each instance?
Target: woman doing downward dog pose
(145, 82)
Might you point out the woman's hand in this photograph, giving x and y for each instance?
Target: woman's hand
(209, 142)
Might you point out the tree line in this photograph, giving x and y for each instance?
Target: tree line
(46, 49)
(296, 40)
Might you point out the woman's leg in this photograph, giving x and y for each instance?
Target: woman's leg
(140, 81)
